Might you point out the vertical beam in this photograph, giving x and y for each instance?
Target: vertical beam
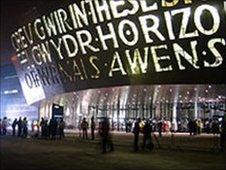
(118, 113)
(196, 109)
(174, 116)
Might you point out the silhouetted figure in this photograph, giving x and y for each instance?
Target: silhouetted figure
(93, 126)
(4, 126)
(128, 126)
(42, 124)
(190, 126)
(61, 128)
(14, 126)
(136, 132)
(84, 126)
(223, 136)
(147, 142)
(160, 128)
(46, 129)
(53, 128)
(25, 129)
(195, 127)
(106, 138)
(20, 125)
(215, 127)
(0, 126)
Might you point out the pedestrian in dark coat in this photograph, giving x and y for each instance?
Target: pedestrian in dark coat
(223, 135)
(0, 126)
(20, 126)
(42, 124)
(136, 132)
(93, 126)
(61, 128)
(25, 128)
(147, 142)
(84, 126)
(14, 126)
(106, 138)
(160, 124)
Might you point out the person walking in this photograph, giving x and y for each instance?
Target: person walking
(0, 126)
(53, 128)
(160, 124)
(14, 126)
(136, 132)
(4, 125)
(93, 126)
(223, 135)
(20, 125)
(147, 142)
(106, 138)
(84, 126)
(25, 129)
(42, 124)
(61, 128)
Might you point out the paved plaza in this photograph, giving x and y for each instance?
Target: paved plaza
(184, 152)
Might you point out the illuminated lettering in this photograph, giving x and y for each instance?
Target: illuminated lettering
(137, 61)
(22, 39)
(110, 36)
(92, 11)
(77, 71)
(71, 52)
(49, 24)
(119, 4)
(97, 74)
(63, 20)
(146, 8)
(79, 14)
(28, 80)
(102, 8)
(154, 28)
(157, 58)
(165, 3)
(14, 42)
(58, 22)
(133, 31)
(215, 15)
(39, 30)
(36, 54)
(119, 68)
(180, 52)
(23, 57)
(217, 55)
(57, 47)
(28, 34)
(87, 42)
(186, 13)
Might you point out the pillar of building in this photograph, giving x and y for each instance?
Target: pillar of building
(196, 109)
(174, 117)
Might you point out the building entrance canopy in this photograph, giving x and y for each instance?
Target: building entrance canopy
(171, 102)
(77, 45)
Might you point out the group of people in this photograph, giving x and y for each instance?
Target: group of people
(103, 131)
(20, 124)
(146, 130)
(196, 126)
(84, 126)
(53, 129)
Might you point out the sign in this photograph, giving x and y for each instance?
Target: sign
(99, 43)
(57, 111)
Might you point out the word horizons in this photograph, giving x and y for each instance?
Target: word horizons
(102, 39)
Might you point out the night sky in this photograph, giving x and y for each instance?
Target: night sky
(12, 13)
